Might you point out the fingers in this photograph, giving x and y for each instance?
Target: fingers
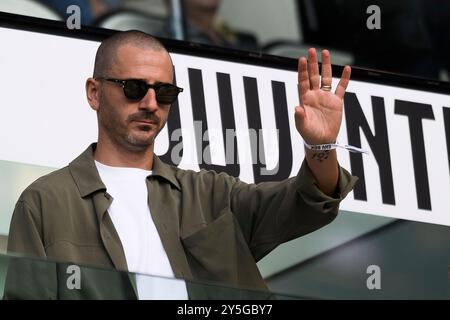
(343, 83)
(310, 79)
(303, 78)
(313, 69)
(326, 69)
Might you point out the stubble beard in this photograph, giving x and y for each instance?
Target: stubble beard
(137, 144)
(120, 135)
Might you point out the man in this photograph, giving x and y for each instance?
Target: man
(203, 26)
(119, 207)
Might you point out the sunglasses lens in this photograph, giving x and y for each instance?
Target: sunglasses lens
(135, 89)
(166, 93)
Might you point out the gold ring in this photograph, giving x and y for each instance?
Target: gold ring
(326, 88)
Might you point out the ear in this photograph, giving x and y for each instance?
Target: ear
(93, 93)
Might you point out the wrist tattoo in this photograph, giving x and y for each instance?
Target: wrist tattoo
(321, 156)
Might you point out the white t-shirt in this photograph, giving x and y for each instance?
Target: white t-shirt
(144, 252)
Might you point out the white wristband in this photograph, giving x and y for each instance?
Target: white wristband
(330, 146)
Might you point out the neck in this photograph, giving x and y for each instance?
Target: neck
(112, 154)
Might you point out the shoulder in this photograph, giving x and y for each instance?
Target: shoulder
(52, 185)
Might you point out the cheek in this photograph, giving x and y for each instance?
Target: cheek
(163, 117)
(112, 115)
(165, 113)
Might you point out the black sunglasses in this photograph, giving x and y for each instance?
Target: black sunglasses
(135, 89)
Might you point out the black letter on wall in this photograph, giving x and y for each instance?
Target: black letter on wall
(199, 114)
(378, 142)
(228, 123)
(173, 123)
(284, 134)
(447, 132)
(415, 113)
(284, 165)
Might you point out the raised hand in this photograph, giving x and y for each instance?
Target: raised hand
(319, 116)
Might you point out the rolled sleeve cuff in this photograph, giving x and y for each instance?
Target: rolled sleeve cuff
(314, 197)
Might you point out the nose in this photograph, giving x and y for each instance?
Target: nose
(149, 102)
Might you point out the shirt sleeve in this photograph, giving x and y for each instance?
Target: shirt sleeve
(28, 276)
(25, 232)
(270, 213)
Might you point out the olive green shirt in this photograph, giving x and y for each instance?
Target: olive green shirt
(213, 227)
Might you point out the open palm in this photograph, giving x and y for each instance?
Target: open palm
(319, 116)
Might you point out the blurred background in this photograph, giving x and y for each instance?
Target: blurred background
(413, 37)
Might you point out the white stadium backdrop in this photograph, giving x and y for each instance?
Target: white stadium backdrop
(46, 120)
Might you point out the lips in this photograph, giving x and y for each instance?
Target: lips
(147, 122)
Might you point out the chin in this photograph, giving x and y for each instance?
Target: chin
(140, 142)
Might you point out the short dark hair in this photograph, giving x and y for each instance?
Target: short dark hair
(108, 48)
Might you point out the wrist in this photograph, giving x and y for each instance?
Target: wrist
(320, 146)
(332, 146)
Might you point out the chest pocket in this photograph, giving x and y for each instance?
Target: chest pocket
(211, 249)
(218, 252)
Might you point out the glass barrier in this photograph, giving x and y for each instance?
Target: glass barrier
(29, 278)
(400, 260)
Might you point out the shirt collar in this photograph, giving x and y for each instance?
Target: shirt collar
(87, 178)
(165, 171)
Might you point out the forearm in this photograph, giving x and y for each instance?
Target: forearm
(324, 166)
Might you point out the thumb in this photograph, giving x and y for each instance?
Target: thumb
(299, 115)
